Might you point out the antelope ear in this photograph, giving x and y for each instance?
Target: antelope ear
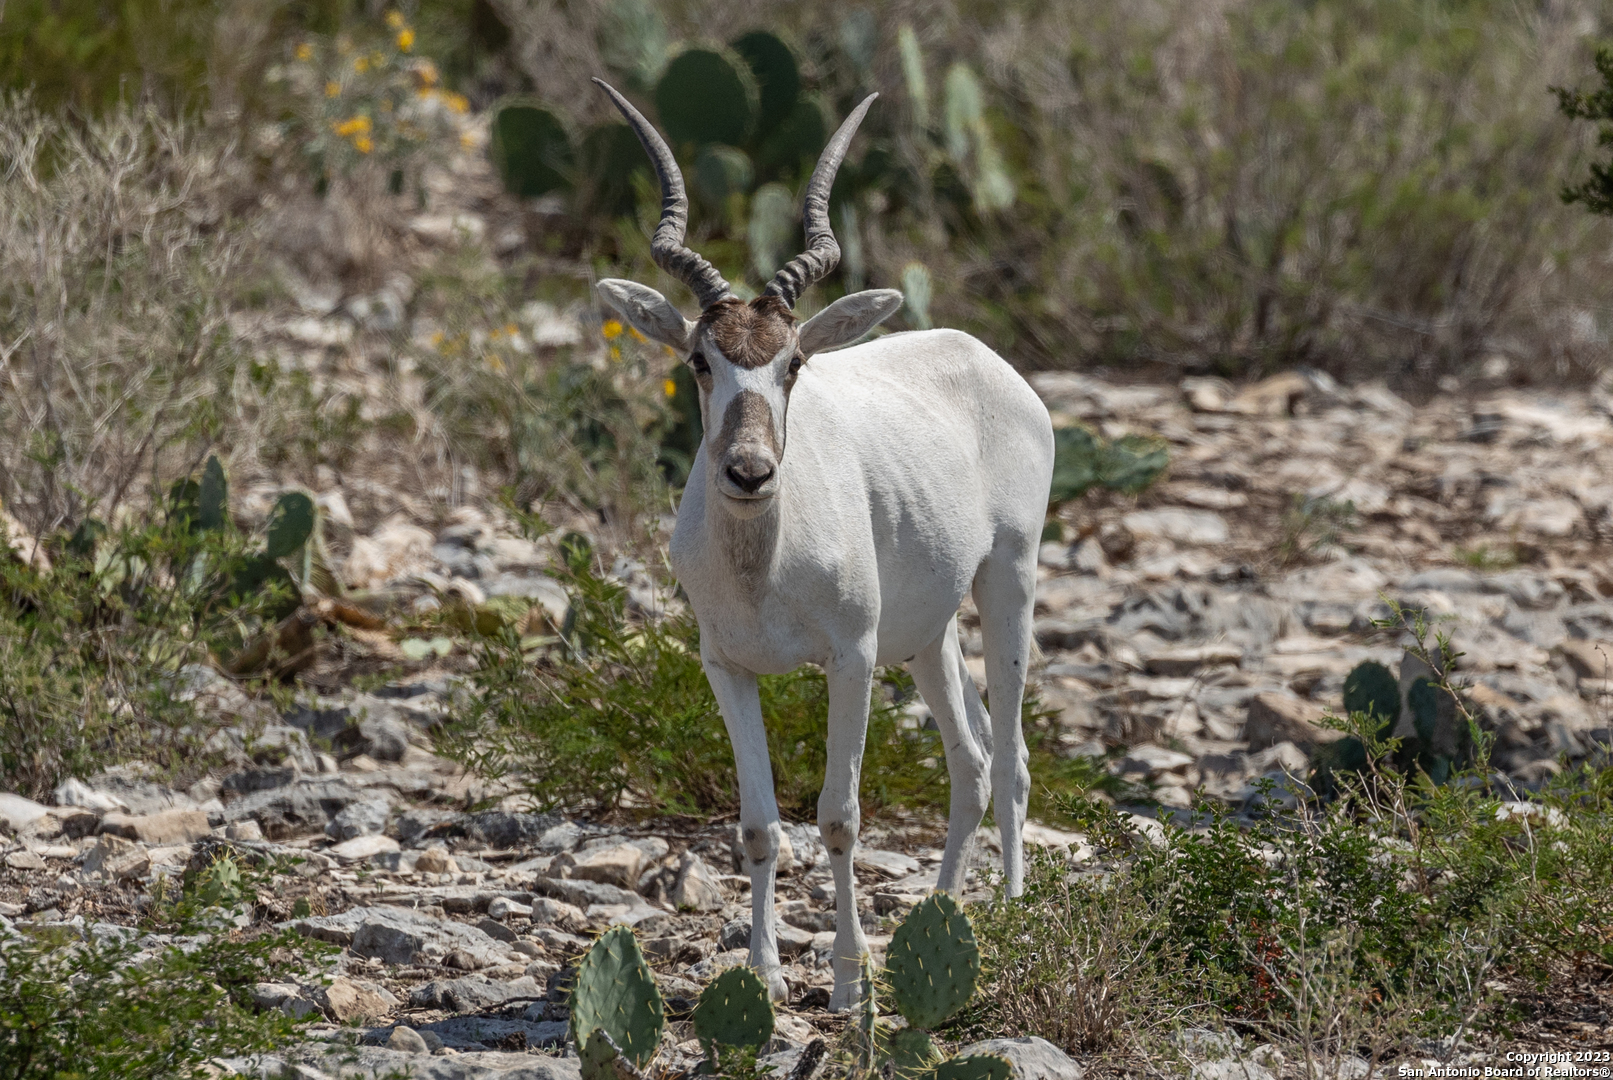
(650, 313)
(848, 319)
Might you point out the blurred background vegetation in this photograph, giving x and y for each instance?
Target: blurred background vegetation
(1367, 186)
(1373, 188)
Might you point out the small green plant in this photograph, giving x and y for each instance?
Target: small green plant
(1083, 460)
(93, 651)
(1312, 524)
(1359, 926)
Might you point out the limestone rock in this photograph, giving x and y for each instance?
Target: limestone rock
(1276, 717)
(16, 812)
(407, 1040)
(354, 999)
(1033, 1058)
(167, 827)
(696, 888)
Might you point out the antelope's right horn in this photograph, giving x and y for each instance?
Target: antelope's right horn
(667, 247)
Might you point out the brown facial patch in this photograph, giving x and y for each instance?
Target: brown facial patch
(747, 419)
(749, 335)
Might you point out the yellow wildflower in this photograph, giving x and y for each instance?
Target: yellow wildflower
(405, 39)
(616, 353)
(394, 19)
(612, 329)
(357, 125)
(636, 335)
(495, 363)
(304, 51)
(436, 338)
(669, 388)
(511, 329)
(363, 144)
(361, 64)
(467, 140)
(426, 72)
(457, 102)
(332, 89)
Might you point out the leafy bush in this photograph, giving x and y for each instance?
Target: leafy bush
(92, 651)
(114, 1002)
(1352, 927)
(619, 714)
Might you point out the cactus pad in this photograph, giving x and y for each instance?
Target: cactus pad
(213, 500)
(974, 1067)
(777, 76)
(531, 150)
(706, 96)
(616, 992)
(910, 1051)
(735, 1010)
(290, 524)
(1424, 701)
(933, 962)
(596, 1057)
(721, 171)
(796, 139)
(1371, 689)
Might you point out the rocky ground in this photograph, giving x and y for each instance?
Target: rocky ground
(1191, 639)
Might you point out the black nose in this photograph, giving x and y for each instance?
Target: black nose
(749, 482)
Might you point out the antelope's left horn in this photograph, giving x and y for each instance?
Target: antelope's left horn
(822, 253)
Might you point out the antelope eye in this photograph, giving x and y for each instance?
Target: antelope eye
(698, 362)
(795, 366)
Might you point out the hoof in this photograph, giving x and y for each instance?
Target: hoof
(845, 997)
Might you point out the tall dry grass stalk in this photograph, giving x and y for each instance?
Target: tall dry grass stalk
(117, 253)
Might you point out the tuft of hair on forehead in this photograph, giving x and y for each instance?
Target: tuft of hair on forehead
(749, 335)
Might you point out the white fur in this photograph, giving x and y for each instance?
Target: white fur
(915, 469)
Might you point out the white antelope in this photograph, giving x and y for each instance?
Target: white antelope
(918, 468)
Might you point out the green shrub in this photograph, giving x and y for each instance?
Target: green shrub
(620, 714)
(1352, 927)
(152, 1002)
(91, 652)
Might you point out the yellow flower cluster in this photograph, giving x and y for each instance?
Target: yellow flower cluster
(358, 129)
(395, 20)
(612, 329)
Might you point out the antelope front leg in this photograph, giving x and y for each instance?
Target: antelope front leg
(851, 678)
(758, 812)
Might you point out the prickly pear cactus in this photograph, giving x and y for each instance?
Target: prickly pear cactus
(290, 524)
(1424, 702)
(531, 150)
(707, 96)
(777, 75)
(616, 992)
(910, 1051)
(735, 1010)
(214, 498)
(1371, 689)
(596, 1057)
(933, 962)
(974, 1067)
(867, 1016)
